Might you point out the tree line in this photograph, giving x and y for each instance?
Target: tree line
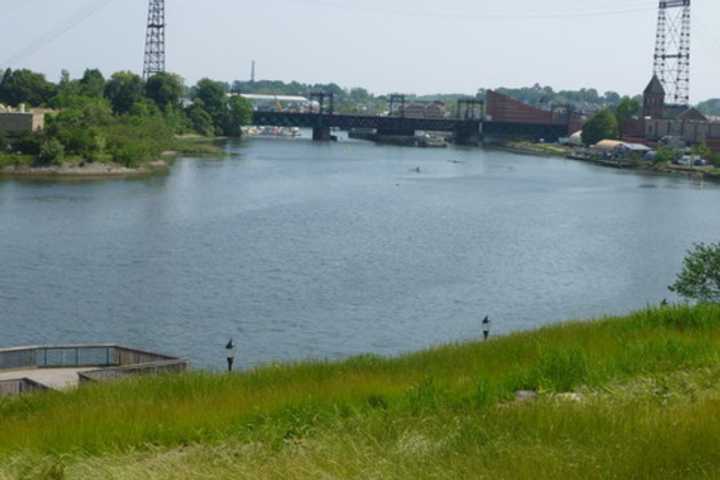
(122, 118)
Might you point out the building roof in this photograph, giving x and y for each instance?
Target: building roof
(655, 87)
(610, 145)
(637, 147)
(275, 98)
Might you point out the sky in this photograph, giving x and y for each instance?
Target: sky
(408, 46)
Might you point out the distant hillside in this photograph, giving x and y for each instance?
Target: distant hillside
(710, 107)
(360, 99)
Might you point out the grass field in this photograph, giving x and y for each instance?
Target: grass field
(646, 404)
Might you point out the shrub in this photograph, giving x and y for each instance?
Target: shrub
(52, 152)
(28, 144)
(700, 276)
(130, 155)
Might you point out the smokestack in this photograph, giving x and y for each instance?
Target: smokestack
(252, 72)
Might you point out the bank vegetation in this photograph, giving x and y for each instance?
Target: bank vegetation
(630, 397)
(122, 123)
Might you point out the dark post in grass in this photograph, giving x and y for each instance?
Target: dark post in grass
(230, 348)
(486, 327)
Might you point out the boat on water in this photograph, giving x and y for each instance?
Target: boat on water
(281, 132)
(431, 141)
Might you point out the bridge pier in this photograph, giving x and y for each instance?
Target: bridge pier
(321, 134)
(470, 138)
(404, 132)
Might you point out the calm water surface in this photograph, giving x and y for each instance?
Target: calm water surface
(301, 250)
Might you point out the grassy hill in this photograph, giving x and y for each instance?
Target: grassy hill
(645, 403)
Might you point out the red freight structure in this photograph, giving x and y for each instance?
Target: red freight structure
(507, 117)
(501, 108)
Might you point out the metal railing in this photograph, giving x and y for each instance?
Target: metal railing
(75, 356)
(151, 368)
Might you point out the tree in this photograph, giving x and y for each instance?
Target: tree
(24, 86)
(612, 98)
(626, 110)
(92, 84)
(702, 151)
(200, 119)
(603, 125)
(700, 276)
(51, 152)
(165, 89)
(239, 114)
(123, 90)
(213, 97)
(665, 155)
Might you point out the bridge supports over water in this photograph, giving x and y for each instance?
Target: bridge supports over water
(321, 134)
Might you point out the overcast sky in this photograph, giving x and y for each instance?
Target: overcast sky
(418, 46)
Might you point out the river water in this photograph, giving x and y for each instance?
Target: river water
(300, 250)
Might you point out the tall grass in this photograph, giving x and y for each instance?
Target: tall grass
(442, 413)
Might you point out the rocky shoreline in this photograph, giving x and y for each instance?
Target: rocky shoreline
(84, 170)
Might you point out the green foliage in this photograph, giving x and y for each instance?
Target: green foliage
(603, 125)
(82, 111)
(24, 86)
(665, 155)
(123, 90)
(166, 90)
(135, 140)
(144, 108)
(700, 277)
(715, 159)
(227, 114)
(51, 152)
(200, 119)
(239, 114)
(213, 96)
(560, 370)
(647, 405)
(541, 96)
(92, 84)
(627, 109)
(27, 144)
(177, 120)
(702, 150)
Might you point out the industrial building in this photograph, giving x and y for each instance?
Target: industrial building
(18, 121)
(661, 121)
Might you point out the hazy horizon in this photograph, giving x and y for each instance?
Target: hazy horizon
(412, 46)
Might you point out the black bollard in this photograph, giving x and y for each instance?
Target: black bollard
(230, 348)
(486, 328)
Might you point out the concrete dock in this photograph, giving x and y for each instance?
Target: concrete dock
(31, 369)
(52, 378)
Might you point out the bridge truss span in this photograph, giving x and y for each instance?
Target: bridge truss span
(464, 130)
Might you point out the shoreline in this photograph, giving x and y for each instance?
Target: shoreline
(80, 170)
(89, 171)
(640, 167)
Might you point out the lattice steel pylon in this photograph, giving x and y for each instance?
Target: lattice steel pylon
(155, 40)
(672, 50)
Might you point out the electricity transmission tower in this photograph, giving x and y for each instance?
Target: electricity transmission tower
(672, 50)
(155, 40)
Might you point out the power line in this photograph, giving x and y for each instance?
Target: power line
(494, 16)
(78, 17)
